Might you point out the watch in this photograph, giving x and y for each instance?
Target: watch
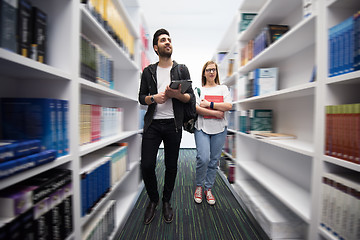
(152, 99)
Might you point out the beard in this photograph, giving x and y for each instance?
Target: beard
(163, 53)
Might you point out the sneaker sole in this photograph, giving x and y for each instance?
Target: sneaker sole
(197, 201)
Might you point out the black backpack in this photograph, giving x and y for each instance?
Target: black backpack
(190, 115)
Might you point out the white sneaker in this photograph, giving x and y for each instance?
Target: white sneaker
(209, 197)
(198, 195)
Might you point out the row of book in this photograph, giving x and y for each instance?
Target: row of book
(107, 14)
(43, 119)
(23, 29)
(344, 46)
(101, 170)
(38, 208)
(227, 166)
(103, 224)
(340, 214)
(20, 155)
(230, 144)
(97, 122)
(267, 36)
(95, 64)
(342, 132)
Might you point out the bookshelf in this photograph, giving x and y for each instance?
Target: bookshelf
(291, 170)
(60, 78)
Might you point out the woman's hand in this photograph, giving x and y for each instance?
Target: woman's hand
(205, 103)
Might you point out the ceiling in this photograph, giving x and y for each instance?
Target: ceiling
(196, 27)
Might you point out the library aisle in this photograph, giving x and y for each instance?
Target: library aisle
(226, 220)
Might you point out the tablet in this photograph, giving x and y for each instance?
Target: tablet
(185, 84)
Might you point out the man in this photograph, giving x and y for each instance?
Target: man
(162, 122)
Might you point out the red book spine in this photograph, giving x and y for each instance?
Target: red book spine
(356, 130)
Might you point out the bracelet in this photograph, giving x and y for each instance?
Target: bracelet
(212, 105)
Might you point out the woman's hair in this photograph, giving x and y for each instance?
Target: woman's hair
(203, 78)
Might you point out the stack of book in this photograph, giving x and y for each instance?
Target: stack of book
(17, 156)
(43, 119)
(23, 29)
(38, 208)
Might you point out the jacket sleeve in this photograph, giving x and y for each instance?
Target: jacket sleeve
(144, 87)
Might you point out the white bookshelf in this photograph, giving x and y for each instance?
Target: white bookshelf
(291, 170)
(60, 78)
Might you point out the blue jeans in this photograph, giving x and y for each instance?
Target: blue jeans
(209, 147)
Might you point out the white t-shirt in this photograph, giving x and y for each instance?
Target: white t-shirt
(212, 126)
(165, 110)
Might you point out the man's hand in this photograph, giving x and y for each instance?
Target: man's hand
(173, 93)
(160, 98)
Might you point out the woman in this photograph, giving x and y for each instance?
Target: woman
(210, 133)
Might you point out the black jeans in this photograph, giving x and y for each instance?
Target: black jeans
(160, 130)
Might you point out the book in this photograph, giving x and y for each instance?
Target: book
(265, 81)
(272, 135)
(24, 27)
(275, 32)
(15, 166)
(185, 84)
(215, 99)
(15, 200)
(8, 24)
(39, 35)
(12, 149)
(259, 120)
(245, 20)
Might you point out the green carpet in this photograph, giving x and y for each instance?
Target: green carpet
(225, 220)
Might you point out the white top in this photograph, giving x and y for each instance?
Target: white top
(165, 110)
(212, 126)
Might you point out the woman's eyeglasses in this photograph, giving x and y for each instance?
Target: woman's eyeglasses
(210, 70)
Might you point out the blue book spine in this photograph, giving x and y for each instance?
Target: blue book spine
(357, 41)
(256, 82)
(335, 51)
(12, 149)
(42, 114)
(331, 52)
(59, 128)
(351, 44)
(65, 109)
(83, 194)
(12, 167)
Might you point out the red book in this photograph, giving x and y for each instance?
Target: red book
(215, 99)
